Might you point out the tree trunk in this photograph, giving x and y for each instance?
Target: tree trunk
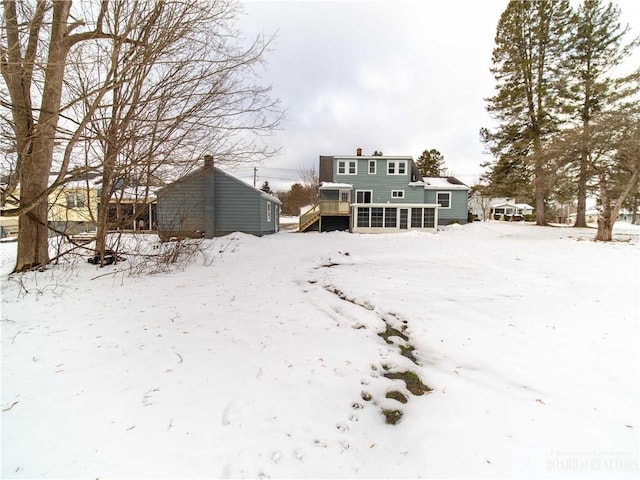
(581, 210)
(607, 218)
(33, 242)
(540, 189)
(605, 229)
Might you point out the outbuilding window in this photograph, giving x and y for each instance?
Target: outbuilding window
(268, 211)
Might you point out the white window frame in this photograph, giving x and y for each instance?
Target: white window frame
(438, 201)
(397, 193)
(375, 167)
(75, 200)
(393, 167)
(363, 191)
(345, 166)
(269, 212)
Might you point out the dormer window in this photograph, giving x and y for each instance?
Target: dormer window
(347, 167)
(396, 167)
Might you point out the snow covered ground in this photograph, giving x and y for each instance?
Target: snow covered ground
(263, 358)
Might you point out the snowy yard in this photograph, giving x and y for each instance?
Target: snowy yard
(263, 358)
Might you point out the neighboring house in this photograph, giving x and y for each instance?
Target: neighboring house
(8, 224)
(590, 216)
(209, 202)
(375, 194)
(509, 210)
(626, 215)
(73, 208)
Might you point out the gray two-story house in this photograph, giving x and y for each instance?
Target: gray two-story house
(375, 194)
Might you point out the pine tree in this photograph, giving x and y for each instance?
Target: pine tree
(431, 163)
(527, 59)
(595, 50)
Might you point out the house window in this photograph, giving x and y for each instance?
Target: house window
(376, 216)
(363, 217)
(390, 217)
(347, 167)
(372, 167)
(429, 218)
(397, 193)
(416, 217)
(268, 211)
(396, 167)
(363, 196)
(443, 199)
(75, 200)
(344, 196)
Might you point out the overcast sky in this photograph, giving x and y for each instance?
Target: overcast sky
(396, 76)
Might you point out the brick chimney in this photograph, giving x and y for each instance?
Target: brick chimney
(359, 152)
(208, 160)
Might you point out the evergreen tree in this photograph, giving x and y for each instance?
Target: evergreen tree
(266, 188)
(431, 163)
(529, 46)
(595, 50)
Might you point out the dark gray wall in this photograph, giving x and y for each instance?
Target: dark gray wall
(181, 205)
(215, 204)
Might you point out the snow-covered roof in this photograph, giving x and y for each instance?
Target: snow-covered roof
(450, 183)
(524, 206)
(331, 185)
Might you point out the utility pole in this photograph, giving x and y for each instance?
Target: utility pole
(255, 170)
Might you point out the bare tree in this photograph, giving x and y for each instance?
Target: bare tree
(165, 81)
(310, 183)
(480, 195)
(33, 56)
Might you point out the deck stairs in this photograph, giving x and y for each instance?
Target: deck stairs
(309, 218)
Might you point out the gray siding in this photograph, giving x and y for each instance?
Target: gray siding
(381, 183)
(181, 205)
(239, 207)
(459, 206)
(215, 204)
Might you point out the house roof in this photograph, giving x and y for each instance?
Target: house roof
(217, 171)
(265, 195)
(449, 183)
(524, 206)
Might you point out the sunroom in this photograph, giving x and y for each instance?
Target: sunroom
(390, 217)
